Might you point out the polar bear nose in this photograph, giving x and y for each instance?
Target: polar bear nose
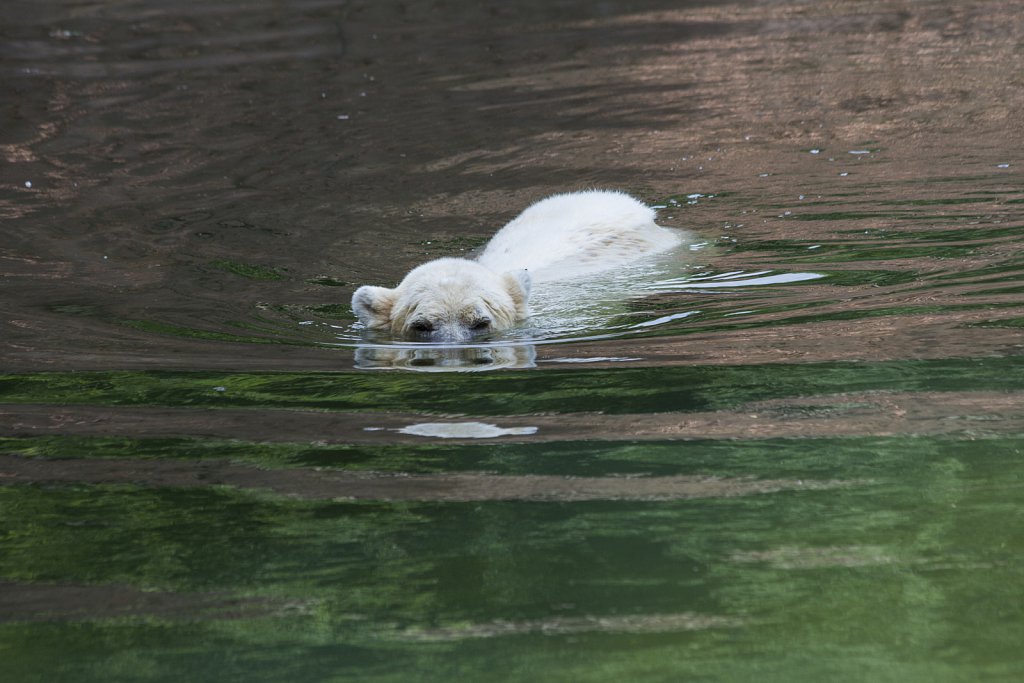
(451, 333)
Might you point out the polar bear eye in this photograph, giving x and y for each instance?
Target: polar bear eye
(481, 324)
(422, 326)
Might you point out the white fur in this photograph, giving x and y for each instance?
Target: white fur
(581, 233)
(564, 236)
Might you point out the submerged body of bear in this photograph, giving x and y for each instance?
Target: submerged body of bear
(561, 237)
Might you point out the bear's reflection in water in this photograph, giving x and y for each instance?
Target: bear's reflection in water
(446, 358)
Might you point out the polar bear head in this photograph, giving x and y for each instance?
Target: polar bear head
(447, 300)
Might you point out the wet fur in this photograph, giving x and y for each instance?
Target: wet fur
(563, 236)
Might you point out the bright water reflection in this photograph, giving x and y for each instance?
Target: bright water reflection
(429, 358)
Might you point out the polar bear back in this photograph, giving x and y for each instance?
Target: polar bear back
(567, 235)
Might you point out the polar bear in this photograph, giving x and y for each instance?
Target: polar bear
(571, 235)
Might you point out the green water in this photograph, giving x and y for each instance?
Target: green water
(641, 390)
(904, 563)
(910, 570)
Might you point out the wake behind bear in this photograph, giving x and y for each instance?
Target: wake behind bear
(454, 300)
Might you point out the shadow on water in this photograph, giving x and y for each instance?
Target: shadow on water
(793, 453)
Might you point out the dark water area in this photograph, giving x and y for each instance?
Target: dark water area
(797, 453)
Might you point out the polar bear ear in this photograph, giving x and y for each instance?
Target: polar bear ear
(372, 305)
(518, 284)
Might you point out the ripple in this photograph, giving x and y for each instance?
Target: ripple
(464, 430)
(320, 484)
(557, 626)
